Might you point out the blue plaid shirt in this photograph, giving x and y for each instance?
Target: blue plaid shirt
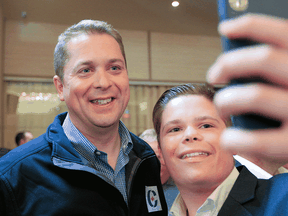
(96, 159)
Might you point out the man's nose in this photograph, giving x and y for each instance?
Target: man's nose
(101, 79)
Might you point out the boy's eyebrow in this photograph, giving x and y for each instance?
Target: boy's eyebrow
(201, 118)
(175, 121)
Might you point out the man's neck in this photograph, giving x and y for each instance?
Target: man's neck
(110, 143)
(104, 139)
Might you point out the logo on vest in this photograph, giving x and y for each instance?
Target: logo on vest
(152, 199)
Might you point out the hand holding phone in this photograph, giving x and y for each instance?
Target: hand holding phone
(228, 9)
(268, 60)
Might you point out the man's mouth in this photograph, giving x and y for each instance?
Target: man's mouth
(194, 154)
(102, 102)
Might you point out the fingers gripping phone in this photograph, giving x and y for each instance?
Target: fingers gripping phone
(228, 9)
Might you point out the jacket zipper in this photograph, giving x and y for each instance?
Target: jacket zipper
(135, 168)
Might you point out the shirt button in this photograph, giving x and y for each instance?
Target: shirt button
(98, 153)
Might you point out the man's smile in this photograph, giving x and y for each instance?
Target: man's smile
(102, 101)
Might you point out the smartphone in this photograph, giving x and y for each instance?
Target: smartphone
(228, 9)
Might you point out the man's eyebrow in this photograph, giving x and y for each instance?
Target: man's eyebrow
(116, 60)
(82, 63)
(91, 62)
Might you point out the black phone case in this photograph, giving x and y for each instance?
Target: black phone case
(276, 8)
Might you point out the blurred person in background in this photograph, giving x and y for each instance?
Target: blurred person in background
(23, 137)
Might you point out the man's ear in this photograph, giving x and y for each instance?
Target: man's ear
(59, 86)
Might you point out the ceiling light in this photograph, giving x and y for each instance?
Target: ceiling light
(175, 3)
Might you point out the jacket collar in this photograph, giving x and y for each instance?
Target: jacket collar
(63, 149)
(61, 146)
(242, 192)
(141, 148)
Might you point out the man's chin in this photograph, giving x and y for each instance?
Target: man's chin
(106, 124)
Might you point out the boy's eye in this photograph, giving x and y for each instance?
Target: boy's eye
(174, 129)
(206, 126)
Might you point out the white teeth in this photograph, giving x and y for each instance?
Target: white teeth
(194, 154)
(102, 102)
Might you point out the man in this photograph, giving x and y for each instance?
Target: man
(189, 128)
(169, 187)
(23, 137)
(87, 163)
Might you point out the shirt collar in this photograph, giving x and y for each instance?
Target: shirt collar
(256, 170)
(216, 200)
(126, 139)
(178, 207)
(213, 203)
(82, 144)
(282, 170)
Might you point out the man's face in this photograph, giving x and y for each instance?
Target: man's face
(189, 136)
(96, 84)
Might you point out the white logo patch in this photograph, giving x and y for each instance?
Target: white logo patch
(152, 199)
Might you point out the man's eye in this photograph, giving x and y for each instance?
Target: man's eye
(86, 70)
(115, 68)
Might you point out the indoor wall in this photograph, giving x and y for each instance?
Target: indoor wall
(1, 74)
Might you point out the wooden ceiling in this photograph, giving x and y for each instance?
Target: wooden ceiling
(198, 17)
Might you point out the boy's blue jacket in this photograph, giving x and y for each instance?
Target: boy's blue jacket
(46, 176)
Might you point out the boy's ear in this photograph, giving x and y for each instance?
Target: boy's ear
(59, 86)
(160, 157)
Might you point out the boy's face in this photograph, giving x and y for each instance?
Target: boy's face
(190, 141)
